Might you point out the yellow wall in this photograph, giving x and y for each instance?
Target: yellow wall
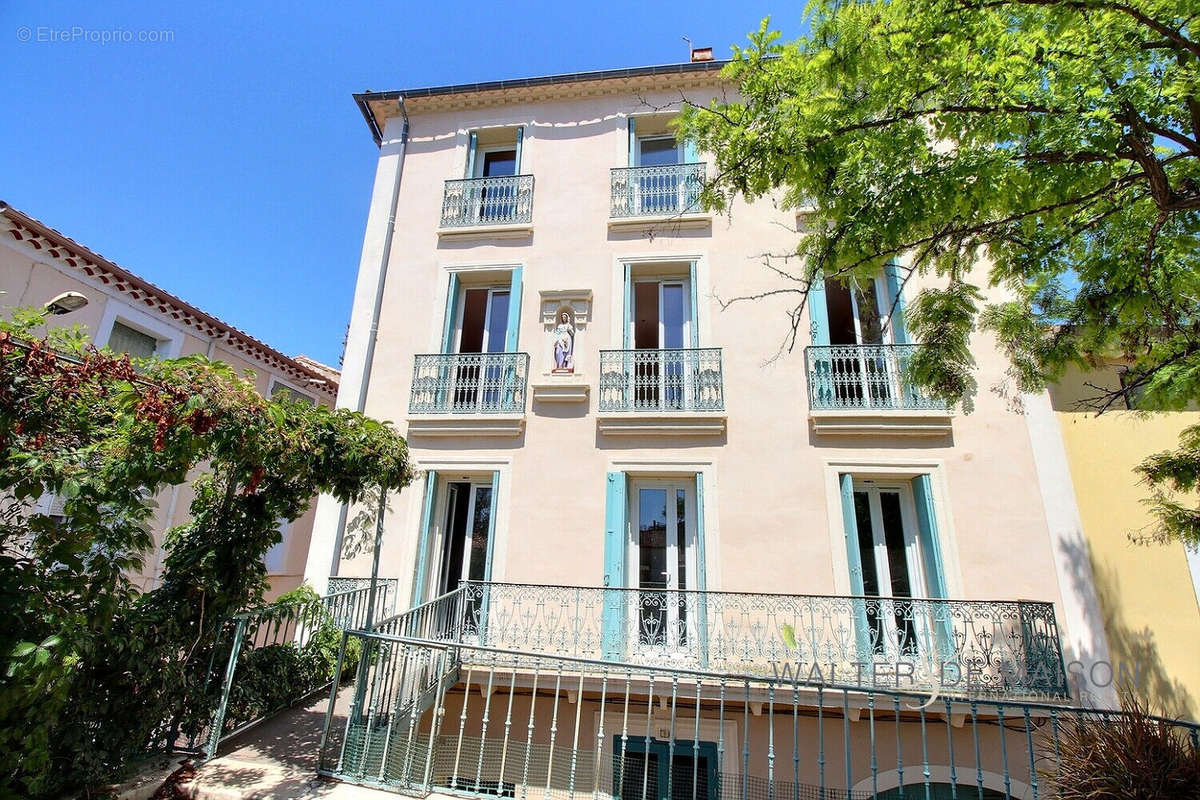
(1151, 615)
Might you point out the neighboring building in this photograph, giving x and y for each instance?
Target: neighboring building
(1149, 593)
(622, 472)
(128, 314)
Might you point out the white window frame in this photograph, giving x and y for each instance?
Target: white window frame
(650, 137)
(169, 338)
(885, 470)
(702, 290)
(881, 306)
(636, 484)
(460, 305)
(437, 564)
(482, 150)
(662, 280)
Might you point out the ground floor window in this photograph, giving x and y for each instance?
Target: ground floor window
(656, 770)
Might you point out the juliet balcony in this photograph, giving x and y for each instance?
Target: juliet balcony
(664, 192)
(662, 391)
(482, 394)
(493, 204)
(860, 389)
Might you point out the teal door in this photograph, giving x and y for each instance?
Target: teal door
(656, 770)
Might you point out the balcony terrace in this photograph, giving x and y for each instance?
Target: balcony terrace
(866, 389)
(684, 388)
(487, 204)
(669, 191)
(480, 393)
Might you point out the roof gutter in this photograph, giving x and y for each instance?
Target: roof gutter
(363, 99)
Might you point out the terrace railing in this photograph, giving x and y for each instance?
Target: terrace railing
(436, 717)
(664, 190)
(690, 379)
(864, 376)
(504, 200)
(967, 647)
(469, 383)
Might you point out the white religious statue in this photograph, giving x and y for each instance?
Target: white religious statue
(564, 344)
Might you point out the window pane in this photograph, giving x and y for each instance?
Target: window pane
(893, 536)
(497, 322)
(866, 543)
(479, 533)
(125, 339)
(869, 322)
(659, 151)
(500, 162)
(673, 315)
(645, 315)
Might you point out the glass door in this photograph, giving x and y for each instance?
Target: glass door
(497, 202)
(661, 322)
(857, 316)
(464, 545)
(482, 328)
(658, 190)
(663, 553)
(891, 566)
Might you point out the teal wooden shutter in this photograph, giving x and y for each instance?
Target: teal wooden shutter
(701, 575)
(894, 279)
(512, 333)
(627, 315)
(820, 365)
(695, 324)
(632, 141)
(612, 624)
(448, 321)
(818, 312)
(423, 541)
(690, 156)
(520, 144)
(931, 561)
(862, 632)
(472, 146)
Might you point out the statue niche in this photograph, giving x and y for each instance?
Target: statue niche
(563, 343)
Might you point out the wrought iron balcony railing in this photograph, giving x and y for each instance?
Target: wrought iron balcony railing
(469, 383)
(505, 200)
(656, 191)
(864, 376)
(963, 647)
(662, 380)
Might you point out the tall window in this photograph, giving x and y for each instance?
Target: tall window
(124, 339)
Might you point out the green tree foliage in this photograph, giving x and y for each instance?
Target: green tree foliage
(1047, 147)
(95, 671)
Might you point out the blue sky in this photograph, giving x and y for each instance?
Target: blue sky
(230, 166)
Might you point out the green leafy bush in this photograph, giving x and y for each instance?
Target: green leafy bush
(93, 672)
